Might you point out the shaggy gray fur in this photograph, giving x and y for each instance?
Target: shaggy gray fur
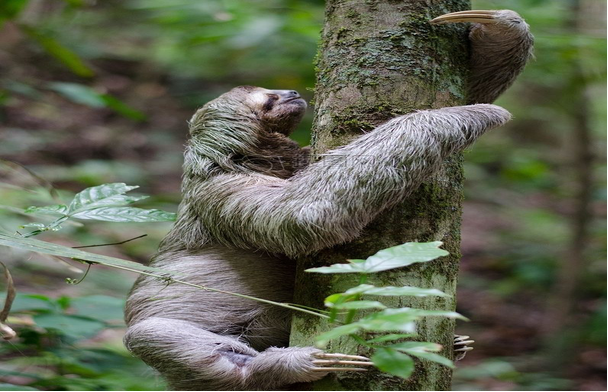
(499, 52)
(252, 203)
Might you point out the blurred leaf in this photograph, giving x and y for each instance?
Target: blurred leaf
(75, 3)
(22, 89)
(494, 368)
(63, 302)
(78, 93)
(57, 209)
(423, 350)
(85, 95)
(71, 326)
(34, 225)
(64, 251)
(32, 302)
(9, 9)
(417, 346)
(395, 257)
(11, 387)
(121, 108)
(393, 362)
(390, 337)
(335, 333)
(125, 214)
(99, 307)
(60, 52)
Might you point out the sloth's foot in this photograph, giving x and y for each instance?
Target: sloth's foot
(328, 362)
(461, 347)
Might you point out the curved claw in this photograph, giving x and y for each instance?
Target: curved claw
(341, 356)
(337, 369)
(473, 16)
(460, 346)
(327, 362)
(463, 342)
(338, 362)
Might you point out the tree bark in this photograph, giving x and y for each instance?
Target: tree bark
(378, 60)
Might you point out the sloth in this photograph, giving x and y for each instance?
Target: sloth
(253, 203)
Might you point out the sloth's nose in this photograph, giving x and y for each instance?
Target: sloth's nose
(289, 94)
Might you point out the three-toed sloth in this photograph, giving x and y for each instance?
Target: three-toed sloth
(252, 203)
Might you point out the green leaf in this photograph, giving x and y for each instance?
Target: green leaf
(393, 362)
(423, 350)
(31, 302)
(114, 201)
(390, 320)
(357, 305)
(436, 313)
(335, 333)
(96, 196)
(77, 254)
(337, 269)
(122, 108)
(60, 52)
(391, 258)
(368, 289)
(85, 95)
(78, 93)
(403, 255)
(72, 326)
(333, 299)
(390, 337)
(57, 209)
(417, 346)
(125, 214)
(11, 387)
(34, 225)
(99, 307)
(9, 9)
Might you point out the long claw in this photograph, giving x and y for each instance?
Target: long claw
(338, 362)
(473, 16)
(463, 342)
(464, 349)
(460, 346)
(337, 369)
(340, 356)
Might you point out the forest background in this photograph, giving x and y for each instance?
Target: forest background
(95, 92)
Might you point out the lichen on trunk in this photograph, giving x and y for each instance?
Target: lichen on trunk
(378, 60)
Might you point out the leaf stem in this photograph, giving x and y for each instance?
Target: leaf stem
(171, 279)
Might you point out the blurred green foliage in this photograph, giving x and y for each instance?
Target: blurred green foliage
(96, 92)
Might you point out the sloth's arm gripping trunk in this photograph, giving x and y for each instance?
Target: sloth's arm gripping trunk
(333, 199)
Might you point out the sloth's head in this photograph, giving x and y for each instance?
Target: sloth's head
(275, 111)
(246, 129)
(278, 110)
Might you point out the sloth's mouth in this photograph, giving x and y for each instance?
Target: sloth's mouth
(294, 99)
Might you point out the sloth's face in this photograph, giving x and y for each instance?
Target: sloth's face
(279, 110)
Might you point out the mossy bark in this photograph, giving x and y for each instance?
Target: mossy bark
(378, 60)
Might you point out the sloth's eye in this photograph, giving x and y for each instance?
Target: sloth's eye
(270, 102)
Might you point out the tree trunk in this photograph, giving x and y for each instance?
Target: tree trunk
(378, 60)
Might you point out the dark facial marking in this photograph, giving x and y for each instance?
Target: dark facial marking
(269, 104)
